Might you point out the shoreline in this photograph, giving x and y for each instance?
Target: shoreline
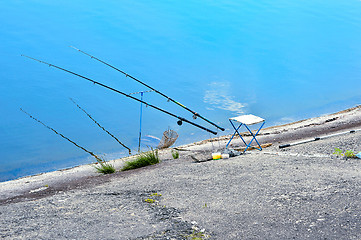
(36, 186)
(303, 191)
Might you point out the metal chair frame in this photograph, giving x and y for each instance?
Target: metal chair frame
(249, 130)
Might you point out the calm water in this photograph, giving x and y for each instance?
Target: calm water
(282, 60)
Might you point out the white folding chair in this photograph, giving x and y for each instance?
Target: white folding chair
(246, 120)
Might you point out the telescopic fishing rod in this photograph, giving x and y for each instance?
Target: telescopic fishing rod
(195, 114)
(116, 139)
(99, 160)
(317, 138)
(180, 119)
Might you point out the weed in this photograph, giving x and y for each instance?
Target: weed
(144, 159)
(197, 235)
(338, 152)
(156, 194)
(149, 200)
(350, 154)
(175, 154)
(347, 153)
(105, 168)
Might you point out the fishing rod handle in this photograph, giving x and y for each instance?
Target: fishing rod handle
(285, 145)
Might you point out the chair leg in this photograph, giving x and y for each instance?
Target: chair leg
(260, 148)
(254, 137)
(236, 131)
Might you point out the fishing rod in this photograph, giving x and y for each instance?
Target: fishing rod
(180, 119)
(61, 135)
(195, 114)
(116, 139)
(317, 138)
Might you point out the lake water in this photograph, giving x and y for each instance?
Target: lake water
(281, 60)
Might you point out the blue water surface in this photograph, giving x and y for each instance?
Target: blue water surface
(281, 60)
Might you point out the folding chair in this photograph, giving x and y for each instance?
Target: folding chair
(246, 120)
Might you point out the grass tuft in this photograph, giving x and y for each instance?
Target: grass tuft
(347, 153)
(105, 168)
(350, 154)
(175, 154)
(197, 235)
(144, 159)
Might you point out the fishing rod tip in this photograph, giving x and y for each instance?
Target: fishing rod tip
(23, 55)
(74, 47)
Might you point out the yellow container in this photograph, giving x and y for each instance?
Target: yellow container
(216, 156)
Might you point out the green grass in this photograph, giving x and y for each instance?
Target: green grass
(105, 168)
(347, 153)
(144, 159)
(350, 154)
(338, 152)
(196, 235)
(175, 154)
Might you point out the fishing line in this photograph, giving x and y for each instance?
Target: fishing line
(195, 114)
(180, 119)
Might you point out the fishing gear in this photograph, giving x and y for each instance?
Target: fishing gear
(116, 139)
(124, 94)
(317, 138)
(99, 160)
(195, 114)
(140, 115)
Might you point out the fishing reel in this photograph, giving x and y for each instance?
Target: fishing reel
(180, 122)
(195, 116)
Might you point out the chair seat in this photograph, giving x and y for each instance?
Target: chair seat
(248, 119)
